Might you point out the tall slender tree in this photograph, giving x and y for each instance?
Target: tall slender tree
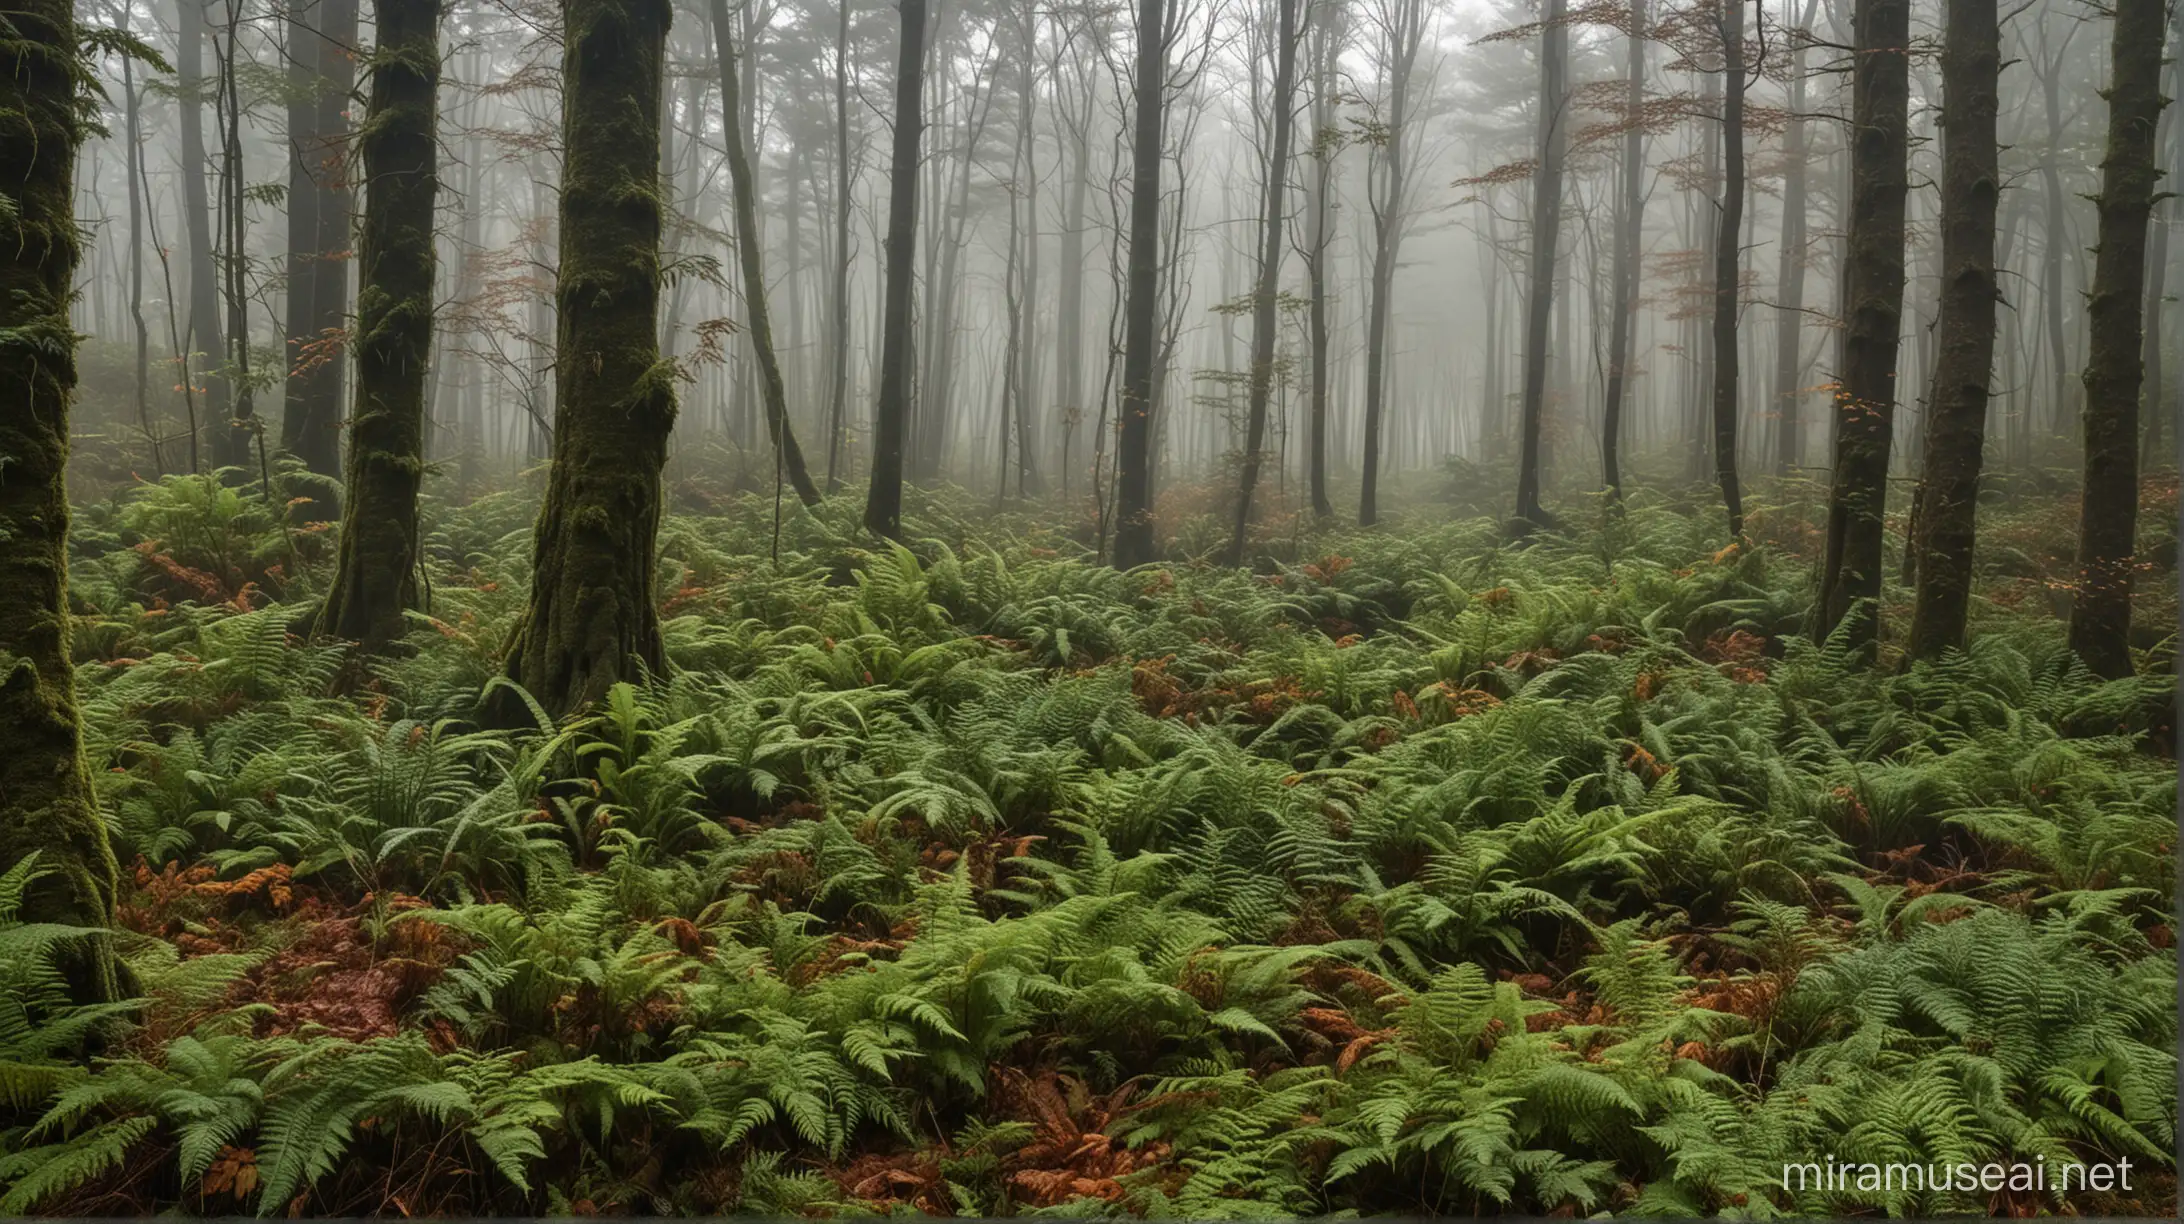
(47, 806)
(1552, 145)
(1141, 310)
(1865, 403)
(375, 569)
(1789, 398)
(758, 319)
(1403, 30)
(1319, 233)
(1630, 224)
(1956, 414)
(591, 620)
(2100, 612)
(1272, 222)
(322, 73)
(206, 351)
(1728, 249)
(838, 386)
(890, 414)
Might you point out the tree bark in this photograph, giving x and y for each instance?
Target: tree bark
(1133, 453)
(1273, 221)
(591, 621)
(1956, 415)
(375, 569)
(1630, 225)
(1553, 145)
(47, 806)
(758, 320)
(883, 503)
(1404, 32)
(1728, 247)
(133, 132)
(1865, 412)
(2100, 615)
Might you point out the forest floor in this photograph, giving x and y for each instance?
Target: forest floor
(1414, 872)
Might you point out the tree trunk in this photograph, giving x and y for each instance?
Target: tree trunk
(2054, 234)
(233, 445)
(1630, 226)
(1865, 412)
(1326, 144)
(591, 621)
(2100, 615)
(208, 350)
(788, 456)
(1789, 395)
(321, 75)
(1956, 414)
(133, 104)
(1133, 453)
(375, 570)
(883, 504)
(1273, 225)
(1405, 32)
(1553, 145)
(47, 806)
(838, 388)
(1728, 247)
(2155, 394)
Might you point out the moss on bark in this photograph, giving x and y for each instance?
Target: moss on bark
(375, 572)
(592, 620)
(46, 804)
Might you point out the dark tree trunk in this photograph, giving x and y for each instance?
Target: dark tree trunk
(591, 621)
(1069, 309)
(1273, 224)
(1728, 247)
(47, 806)
(1553, 145)
(322, 75)
(1865, 412)
(838, 388)
(1403, 39)
(788, 456)
(1133, 452)
(1326, 142)
(883, 504)
(1789, 396)
(375, 570)
(2055, 234)
(1956, 414)
(1630, 224)
(234, 445)
(208, 361)
(2100, 615)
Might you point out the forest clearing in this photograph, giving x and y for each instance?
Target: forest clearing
(1184, 609)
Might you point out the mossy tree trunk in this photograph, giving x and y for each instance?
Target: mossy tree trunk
(1956, 420)
(2100, 614)
(46, 804)
(1865, 402)
(375, 572)
(788, 456)
(592, 620)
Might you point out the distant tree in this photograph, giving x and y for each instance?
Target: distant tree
(375, 568)
(1402, 31)
(890, 415)
(2100, 613)
(1789, 398)
(1865, 403)
(1630, 224)
(47, 806)
(1141, 310)
(758, 319)
(1956, 413)
(1728, 252)
(1552, 148)
(591, 620)
(321, 75)
(1272, 222)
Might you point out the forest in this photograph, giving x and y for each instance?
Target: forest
(1173, 609)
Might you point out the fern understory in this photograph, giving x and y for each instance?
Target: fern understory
(1416, 872)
